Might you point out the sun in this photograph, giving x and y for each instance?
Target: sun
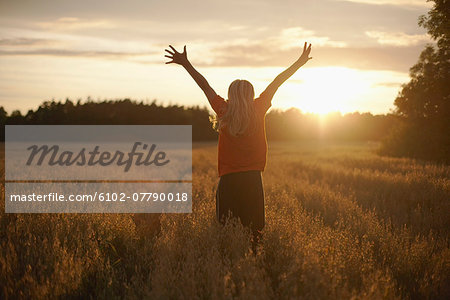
(327, 89)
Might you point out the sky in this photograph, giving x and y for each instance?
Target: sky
(105, 49)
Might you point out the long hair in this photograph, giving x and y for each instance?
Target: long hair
(239, 119)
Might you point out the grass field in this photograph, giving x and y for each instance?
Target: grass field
(341, 223)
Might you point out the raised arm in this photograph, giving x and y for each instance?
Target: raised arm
(283, 76)
(181, 59)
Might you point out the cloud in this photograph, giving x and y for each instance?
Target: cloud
(289, 38)
(263, 51)
(237, 51)
(24, 41)
(71, 23)
(284, 48)
(259, 54)
(226, 44)
(74, 53)
(398, 38)
(42, 43)
(418, 3)
(274, 51)
(392, 84)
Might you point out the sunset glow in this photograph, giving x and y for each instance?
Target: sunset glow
(76, 50)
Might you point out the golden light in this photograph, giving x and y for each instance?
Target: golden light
(329, 89)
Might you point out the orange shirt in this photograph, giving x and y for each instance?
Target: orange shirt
(242, 153)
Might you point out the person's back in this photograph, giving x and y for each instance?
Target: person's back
(245, 147)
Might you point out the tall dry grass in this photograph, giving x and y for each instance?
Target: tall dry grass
(341, 223)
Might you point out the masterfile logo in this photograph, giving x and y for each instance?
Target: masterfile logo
(52, 155)
(98, 168)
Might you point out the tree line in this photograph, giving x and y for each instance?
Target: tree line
(423, 104)
(291, 124)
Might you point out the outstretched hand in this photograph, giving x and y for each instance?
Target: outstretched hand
(304, 58)
(177, 57)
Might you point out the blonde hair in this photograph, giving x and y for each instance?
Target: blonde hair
(239, 119)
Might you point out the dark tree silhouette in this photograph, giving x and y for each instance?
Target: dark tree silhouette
(423, 104)
(117, 112)
(281, 125)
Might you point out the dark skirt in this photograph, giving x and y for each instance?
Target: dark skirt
(242, 195)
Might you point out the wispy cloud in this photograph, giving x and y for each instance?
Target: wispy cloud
(276, 50)
(42, 42)
(74, 53)
(264, 51)
(240, 51)
(398, 38)
(289, 38)
(72, 23)
(25, 41)
(390, 84)
(259, 54)
(419, 3)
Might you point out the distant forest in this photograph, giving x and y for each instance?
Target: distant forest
(280, 125)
